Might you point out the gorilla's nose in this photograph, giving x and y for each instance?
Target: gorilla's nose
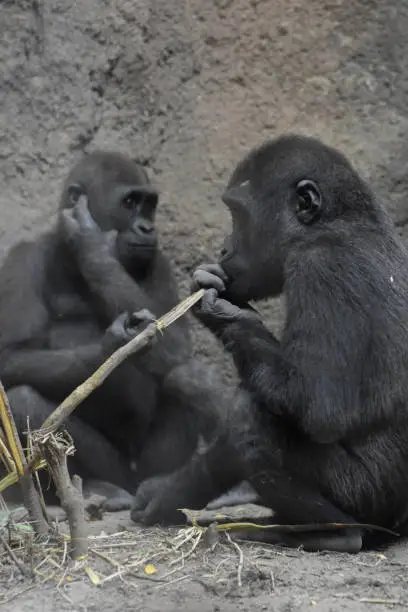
(145, 228)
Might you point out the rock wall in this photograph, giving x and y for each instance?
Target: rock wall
(188, 86)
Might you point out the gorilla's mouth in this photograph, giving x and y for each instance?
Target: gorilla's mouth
(238, 289)
(136, 246)
(238, 286)
(137, 252)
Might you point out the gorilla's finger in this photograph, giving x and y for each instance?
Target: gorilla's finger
(83, 214)
(206, 280)
(209, 298)
(119, 326)
(111, 238)
(69, 223)
(141, 316)
(216, 269)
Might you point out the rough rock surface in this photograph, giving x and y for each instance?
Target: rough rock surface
(187, 87)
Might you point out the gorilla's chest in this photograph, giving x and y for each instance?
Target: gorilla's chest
(73, 322)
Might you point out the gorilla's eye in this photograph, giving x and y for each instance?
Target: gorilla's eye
(309, 201)
(132, 200)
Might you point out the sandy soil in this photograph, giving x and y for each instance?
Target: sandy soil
(188, 86)
(193, 576)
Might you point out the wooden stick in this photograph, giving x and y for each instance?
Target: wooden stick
(13, 441)
(135, 345)
(78, 395)
(30, 494)
(69, 492)
(23, 569)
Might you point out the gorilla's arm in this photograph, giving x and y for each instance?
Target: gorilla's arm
(281, 376)
(114, 288)
(54, 374)
(23, 357)
(116, 291)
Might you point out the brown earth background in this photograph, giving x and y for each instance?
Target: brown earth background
(188, 87)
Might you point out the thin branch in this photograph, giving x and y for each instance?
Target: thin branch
(69, 492)
(13, 441)
(63, 411)
(23, 569)
(71, 499)
(29, 491)
(240, 558)
(32, 502)
(6, 457)
(135, 345)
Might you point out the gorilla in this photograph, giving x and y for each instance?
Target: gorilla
(63, 310)
(319, 427)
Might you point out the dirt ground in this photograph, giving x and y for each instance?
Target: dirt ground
(190, 576)
(187, 87)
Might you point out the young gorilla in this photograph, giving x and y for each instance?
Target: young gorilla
(321, 422)
(60, 295)
(332, 395)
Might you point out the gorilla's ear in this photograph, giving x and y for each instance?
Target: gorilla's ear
(74, 192)
(309, 202)
(237, 196)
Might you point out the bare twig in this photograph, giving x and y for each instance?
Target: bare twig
(135, 345)
(13, 441)
(63, 411)
(240, 556)
(30, 493)
(23, 569)
(32, 502)
(387, 602)
(5, 455)
(69, 492)
(300, 528)
(60, 414)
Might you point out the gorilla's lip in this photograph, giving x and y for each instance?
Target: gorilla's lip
(137, 246)
(238, 290)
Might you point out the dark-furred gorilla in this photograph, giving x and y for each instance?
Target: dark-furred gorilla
(62, 306)
(320, 424)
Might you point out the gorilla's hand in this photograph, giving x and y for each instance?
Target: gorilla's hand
(125, 327)
(215, 313)
(209, 276)
(84, 234)
(157, 501)
(138, 321)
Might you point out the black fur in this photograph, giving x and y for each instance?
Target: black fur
(60, 310)
(323, 419)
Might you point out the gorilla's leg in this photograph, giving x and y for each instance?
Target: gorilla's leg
(242, 493)
(284, 477)
(170, 443)
(203, 478)
(190, 407)
(95, 459)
